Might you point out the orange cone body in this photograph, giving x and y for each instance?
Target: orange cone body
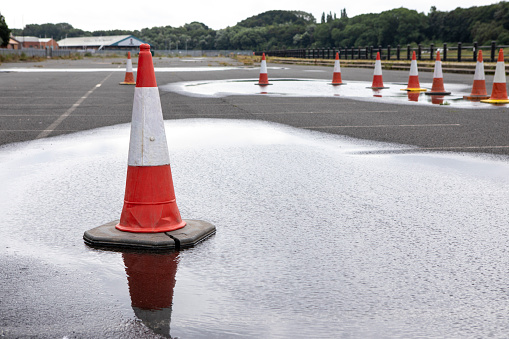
(336, 74)
(378, 82)
(479, 91)
(149, 202)
(129, 77)
(413, 79)
(264, 77)
(499, 90)
(437, 88)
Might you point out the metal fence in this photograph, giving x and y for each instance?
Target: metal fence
(31, 52)
(447, 53)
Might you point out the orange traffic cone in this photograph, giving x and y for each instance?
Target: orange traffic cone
(264, 78)
(336, 75)
(479, 87)
(129, 77)
(499, 90)
(149, 203)
(378, 82)
(437, 88)
(413, 79)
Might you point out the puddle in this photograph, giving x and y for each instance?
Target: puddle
(357, 90)
(318, 235)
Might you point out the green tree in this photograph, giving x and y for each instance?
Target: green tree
(5, 32)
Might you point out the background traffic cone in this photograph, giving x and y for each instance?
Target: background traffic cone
(378, 82)
(413, 79)
(336, 75)
(149, 203)
(499, 90)
(437, 88)
(479, 87)
(264, 77)
(129, 77)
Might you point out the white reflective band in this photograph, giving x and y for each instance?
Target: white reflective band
(129, 66)
(500, 73)
(263, 67)
(337, 68)
(437, 73)
(378, 67)
(413, 68)
(479, 71)
(147, 146)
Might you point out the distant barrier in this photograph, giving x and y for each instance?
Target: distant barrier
(44, 52)
(447, 53)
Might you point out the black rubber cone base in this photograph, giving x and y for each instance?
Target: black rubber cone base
(108, 236)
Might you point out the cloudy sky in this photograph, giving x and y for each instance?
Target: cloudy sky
(94, 15)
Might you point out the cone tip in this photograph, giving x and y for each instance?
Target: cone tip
(501, 55)
(479, 56)
(128, 55)
(144, 47)
(413, 56)
(438, 56)
(377, 55)
(337, 55)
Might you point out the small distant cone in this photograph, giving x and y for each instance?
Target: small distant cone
(438, 79)
(479, 88)
(378, 82)
(499, 90)
(264, 77)
(129, 77)
(149, 203)
(413, 79)
(336, 75)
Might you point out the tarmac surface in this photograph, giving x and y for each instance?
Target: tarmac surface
(318, 234)
(37, 104)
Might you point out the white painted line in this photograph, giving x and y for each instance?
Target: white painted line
(61, 118)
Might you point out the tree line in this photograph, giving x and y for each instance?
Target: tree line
(274, 30)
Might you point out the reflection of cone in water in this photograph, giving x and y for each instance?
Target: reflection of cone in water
(149, 203)
(336, 74)
(413, 96)
(263, 80)
(438, 79)
(151, 279)
(479, 87)
(377, 93)
(499, 90)
(378, 82)
(413, 79)
(129, 77)
(437, 99)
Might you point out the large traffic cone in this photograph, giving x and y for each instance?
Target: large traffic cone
(149, 203)
(336, 75)
(378, 82)
(437, 88)
(413, 79)
(129, 77)
(479, 87)
(499, 90)
(264, 77)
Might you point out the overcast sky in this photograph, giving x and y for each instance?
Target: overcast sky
(92, 15)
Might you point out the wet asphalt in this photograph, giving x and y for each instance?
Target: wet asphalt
(31, 102)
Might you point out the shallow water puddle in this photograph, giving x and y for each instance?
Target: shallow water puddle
(317, 235)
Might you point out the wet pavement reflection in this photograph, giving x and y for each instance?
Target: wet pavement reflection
(318, 236)
(151, 279)
(356, 90)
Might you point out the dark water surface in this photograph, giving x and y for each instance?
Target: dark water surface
(318, 236)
